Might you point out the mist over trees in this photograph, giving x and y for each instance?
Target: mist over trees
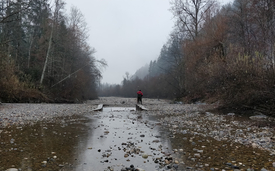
(216, 53)
(44, 54)
(142, 72)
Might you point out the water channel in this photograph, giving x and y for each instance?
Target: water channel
(111, 139)
(118, 138)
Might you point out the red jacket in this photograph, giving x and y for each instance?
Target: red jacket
(140, 93)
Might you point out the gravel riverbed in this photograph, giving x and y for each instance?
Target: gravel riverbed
(188, 118)
(209, 138)
(21, 114)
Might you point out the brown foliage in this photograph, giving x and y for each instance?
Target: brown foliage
(231, 71)
(14, 90)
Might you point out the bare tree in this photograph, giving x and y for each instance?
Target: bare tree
(190, 15)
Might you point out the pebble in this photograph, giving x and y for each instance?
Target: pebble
(197, 155)
(140, 169)
(21, 114)
(175, 166)
(17, 114)
(12, 169)
(145, 156)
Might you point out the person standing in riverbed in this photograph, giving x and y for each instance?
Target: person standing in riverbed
(139, 96)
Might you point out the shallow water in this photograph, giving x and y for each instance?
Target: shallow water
(114, 127)
(119, 137)
(92, 142)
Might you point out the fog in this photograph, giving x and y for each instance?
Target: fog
(126, 33)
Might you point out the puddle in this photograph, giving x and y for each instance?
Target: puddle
(114, 138)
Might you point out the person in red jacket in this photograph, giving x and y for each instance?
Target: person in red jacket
(139, 96)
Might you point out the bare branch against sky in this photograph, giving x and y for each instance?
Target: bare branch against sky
(127, 33)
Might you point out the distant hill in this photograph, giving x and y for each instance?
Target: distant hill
(142, 72)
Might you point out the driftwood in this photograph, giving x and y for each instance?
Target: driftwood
(99, 107)
(140, 107)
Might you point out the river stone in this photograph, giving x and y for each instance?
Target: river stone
(175, 166)
(200, 151)
(197, 155)
(145, 156)
(254, 145)
(258, 117)
(12, 169)
(250, 169)
(155, 141)
(174, 126)
(139, 169)
(169, 167)
(235, 167)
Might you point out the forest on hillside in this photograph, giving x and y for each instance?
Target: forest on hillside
(215, 53)
(44, 54)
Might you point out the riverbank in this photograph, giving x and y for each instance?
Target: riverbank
(26, 113)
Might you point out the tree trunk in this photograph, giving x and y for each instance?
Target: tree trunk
(29, 56)
(47, 56)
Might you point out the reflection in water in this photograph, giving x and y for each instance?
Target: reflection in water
(42, 146)
(93, 142)
(115, 131)
(116, 138)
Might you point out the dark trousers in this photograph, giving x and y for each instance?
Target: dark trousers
(139, 99)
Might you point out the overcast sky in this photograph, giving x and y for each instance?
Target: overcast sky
(126, 33)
